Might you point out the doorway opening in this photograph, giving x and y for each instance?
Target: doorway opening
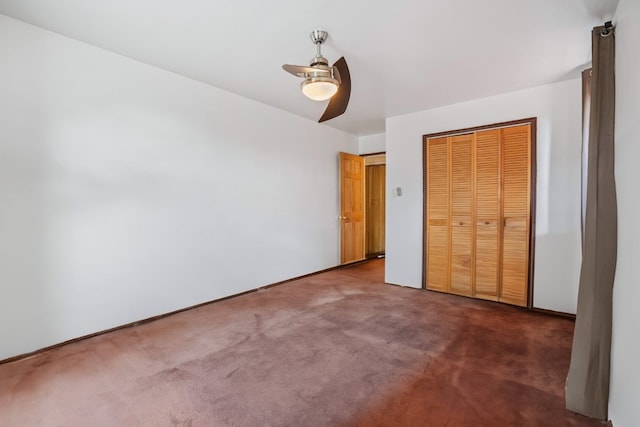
(375, 199)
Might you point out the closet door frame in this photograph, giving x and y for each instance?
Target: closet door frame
(532, 121)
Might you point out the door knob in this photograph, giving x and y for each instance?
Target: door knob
(342, 217)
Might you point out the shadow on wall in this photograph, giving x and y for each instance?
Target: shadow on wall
(23, 241)
(556, 285)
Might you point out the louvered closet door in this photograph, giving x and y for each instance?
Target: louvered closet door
(487, 220)
(461, 214)
(437, 179)
(515, 210)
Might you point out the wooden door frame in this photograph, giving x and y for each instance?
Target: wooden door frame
(532, 195)
(377, 153)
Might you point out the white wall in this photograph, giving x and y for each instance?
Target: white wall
(625, 371)
(558, 253)
(127, 191)
(372, 143)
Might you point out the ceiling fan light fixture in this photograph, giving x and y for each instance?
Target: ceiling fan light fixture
(319, 88)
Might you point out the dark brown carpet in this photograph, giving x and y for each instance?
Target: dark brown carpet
(335, 349)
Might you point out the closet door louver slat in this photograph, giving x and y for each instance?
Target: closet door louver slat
(515, 211)
(461, 180)
(487, 221)
(438, 214)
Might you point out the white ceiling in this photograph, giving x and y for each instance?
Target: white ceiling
(404, 55)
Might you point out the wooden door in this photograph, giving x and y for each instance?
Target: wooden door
(488, 214)
(375, 209)
(352, 219)
(515, 214)
(437, 221)
(461, 181)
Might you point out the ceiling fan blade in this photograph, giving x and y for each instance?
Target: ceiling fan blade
(338, 102)
(298, 70)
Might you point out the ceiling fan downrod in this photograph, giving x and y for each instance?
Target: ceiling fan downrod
(318, 37)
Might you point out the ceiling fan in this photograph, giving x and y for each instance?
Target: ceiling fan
(322, 82)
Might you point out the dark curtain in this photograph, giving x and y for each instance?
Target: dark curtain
(588, 379)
